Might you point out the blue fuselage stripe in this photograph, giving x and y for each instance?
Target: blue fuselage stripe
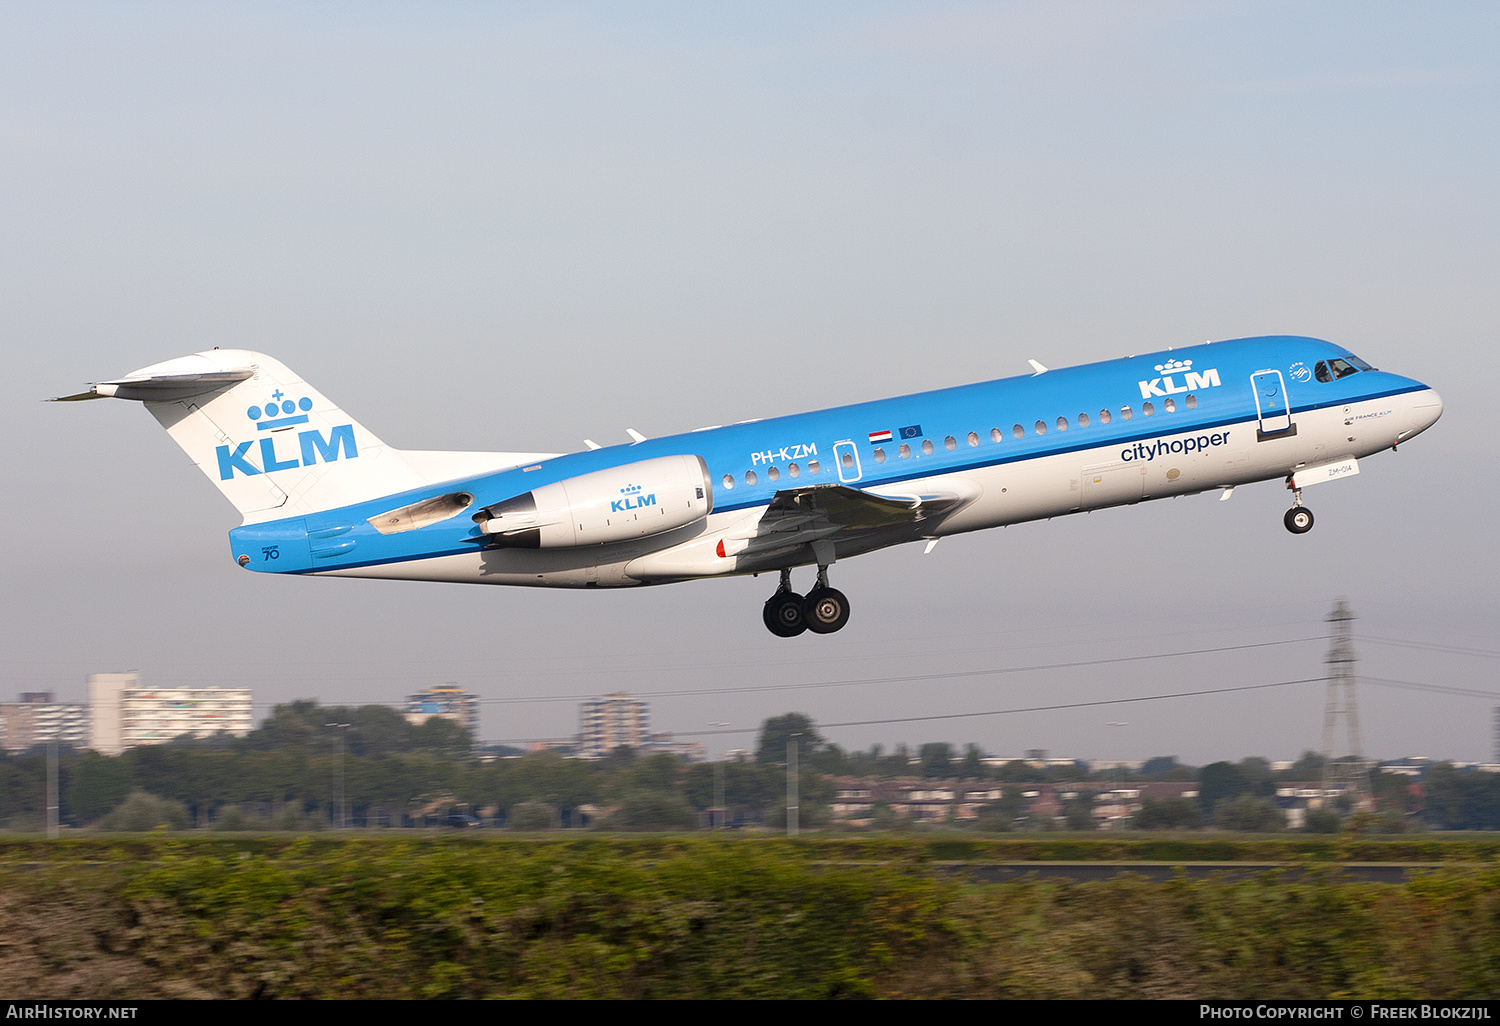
(1221, 374)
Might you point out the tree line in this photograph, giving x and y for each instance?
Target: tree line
(309, 766)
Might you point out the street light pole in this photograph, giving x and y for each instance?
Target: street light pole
(338, 748)
(718, 789)
(791, 784)
(52, 819)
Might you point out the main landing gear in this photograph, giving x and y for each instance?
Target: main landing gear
(822, 611)
(1299, 518)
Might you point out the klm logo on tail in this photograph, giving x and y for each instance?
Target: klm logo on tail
(311, 445)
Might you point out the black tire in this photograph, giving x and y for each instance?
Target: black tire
(825, 610)
(783, 614)
(1298, 520)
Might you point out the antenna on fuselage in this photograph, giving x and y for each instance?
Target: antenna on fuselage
(636, 435)
(592, 444)
(1036, 367)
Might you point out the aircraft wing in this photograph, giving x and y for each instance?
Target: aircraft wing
(850, 508)
(819, 514)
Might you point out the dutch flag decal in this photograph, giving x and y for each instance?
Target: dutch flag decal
(879, 436)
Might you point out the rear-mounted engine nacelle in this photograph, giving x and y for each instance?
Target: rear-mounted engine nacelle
(619, 504)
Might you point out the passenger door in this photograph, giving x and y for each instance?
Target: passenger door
(1273, 406)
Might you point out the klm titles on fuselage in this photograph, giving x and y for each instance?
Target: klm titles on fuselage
(1192, 380)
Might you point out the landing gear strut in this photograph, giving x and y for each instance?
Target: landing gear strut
(1299, 518)
(823, 610)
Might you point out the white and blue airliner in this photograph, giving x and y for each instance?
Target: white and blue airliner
(321, 495)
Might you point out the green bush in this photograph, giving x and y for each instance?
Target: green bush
(142, 812)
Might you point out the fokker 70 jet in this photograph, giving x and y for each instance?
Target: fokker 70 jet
(321, 495)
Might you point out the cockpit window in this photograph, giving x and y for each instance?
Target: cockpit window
(1332, 370)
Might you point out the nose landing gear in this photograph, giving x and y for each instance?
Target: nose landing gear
(1299, 518)
(823, 610)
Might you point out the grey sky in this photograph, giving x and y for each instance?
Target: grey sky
(513, 226)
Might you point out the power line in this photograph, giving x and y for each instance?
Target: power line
(1438, 689)
(996, 712)
(906, 679)
(1432, 646)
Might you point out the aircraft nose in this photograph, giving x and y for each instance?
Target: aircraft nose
(1426, 408)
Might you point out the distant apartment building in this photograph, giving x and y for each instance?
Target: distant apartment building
(666, 744)
(611, 722)
(37, 719)
(124, 714)
(105, 693)
(448, 701)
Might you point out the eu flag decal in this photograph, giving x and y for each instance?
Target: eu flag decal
(914, 431)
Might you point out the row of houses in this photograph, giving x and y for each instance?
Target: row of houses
(858, 802)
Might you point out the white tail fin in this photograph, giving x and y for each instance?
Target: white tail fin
(273, 444)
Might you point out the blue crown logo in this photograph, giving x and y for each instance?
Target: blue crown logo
(1173, 366)
(630, 489)
(280, 412)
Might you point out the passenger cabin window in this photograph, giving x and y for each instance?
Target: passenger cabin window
(1125, 413)
(926, 447)
(773, 474)
(904, 452)
(847, 459)
(812, 466)
(750, 477)
(974, 438)
(1083, 420)
(949, 443)
(879, 455)
(793, 469)
(1147, 410)
(1062, 423)
(1104, 416)
(728, 481)
(1170, 405)
(1018, 431)
(1041, 427)
(1192, 401)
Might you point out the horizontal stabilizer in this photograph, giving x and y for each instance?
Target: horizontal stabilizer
(161, 388)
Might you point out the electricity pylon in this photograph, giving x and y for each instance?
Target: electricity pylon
(1344, 770)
